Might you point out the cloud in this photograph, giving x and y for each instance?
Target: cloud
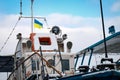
(116, 6)
(7, 20)
(82, 31)
(82, 37)
(72, 21)
(113, 21)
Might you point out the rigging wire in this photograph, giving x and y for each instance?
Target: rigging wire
(46, 23)
(10, 35)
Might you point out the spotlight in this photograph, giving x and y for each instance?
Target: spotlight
(55, 30)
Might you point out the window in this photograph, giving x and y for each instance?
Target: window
(44, 41)
(51, 62)
(34, 64)
(65, 64)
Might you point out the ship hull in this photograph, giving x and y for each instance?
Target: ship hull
(100, 75)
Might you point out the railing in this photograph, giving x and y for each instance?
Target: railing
(12, 75)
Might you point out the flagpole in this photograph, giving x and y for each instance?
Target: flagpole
(32, 16)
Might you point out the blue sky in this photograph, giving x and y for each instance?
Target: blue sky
(86, 8)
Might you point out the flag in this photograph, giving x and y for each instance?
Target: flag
(38, 24)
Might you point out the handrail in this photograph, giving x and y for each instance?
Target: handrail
(41, 58)
(49, 64)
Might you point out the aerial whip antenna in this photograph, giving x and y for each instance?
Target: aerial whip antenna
(21, 8)
(106, 56)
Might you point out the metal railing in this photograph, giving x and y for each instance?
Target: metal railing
(12, 75)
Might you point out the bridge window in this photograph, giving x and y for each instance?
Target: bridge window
(34, 63)
(65, 64)
(51, 62)
(44, 40)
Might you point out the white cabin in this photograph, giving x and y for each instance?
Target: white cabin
(43, 53)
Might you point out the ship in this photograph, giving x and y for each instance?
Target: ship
(42, 56)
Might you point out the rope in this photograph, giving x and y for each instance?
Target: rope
(9, 35)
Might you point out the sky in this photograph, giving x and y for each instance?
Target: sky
(79, 19)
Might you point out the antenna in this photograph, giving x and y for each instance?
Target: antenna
(32, 16)
(106, 56)
(20, 7)
(31, 13)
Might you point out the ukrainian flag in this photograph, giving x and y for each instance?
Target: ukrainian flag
(38, 24)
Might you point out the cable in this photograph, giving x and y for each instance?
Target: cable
(9, 35)
(46, 23)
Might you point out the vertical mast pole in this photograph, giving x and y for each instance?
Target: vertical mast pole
(106, 56)
(20, 7)
(32, 16)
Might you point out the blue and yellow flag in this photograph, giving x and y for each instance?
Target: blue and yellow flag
(38, 24)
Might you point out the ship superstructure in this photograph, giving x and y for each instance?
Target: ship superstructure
(42, 54)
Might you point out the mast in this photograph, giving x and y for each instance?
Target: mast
(21, 8)
(32, 16)
(106, 55)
